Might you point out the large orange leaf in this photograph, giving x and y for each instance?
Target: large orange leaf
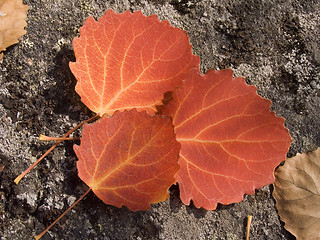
(230, 141)
(129, 159)
(128, 61)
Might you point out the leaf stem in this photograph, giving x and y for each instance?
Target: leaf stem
(48, 138)
(61, 216)
(17, 180)
(248, 226)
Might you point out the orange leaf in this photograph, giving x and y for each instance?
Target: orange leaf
(230, 141)
(129, 159)
(128, 61)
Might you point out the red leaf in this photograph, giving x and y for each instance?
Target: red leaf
(128, 61)
(129, 159)
(230, 141)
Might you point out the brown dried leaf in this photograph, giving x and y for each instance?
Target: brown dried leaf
(297, 194)
(13, 14)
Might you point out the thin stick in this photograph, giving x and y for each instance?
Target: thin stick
(61, 216)
(248, 226)
(17, 180)
(48, 138)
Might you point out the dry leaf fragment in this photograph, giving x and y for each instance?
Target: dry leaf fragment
(297, 194)
(13, 14)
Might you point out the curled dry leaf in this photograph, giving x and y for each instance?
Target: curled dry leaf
(128, 61)
(129, 159)
(230, 140)
(13, 14)
(297, 194)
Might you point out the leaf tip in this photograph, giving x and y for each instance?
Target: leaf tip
(17, 180)
(249, 221)
(37, 237)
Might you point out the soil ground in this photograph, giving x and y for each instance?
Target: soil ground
(275, 44)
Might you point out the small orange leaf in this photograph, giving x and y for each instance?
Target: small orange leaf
(128, 61)
(129, 159)
(230, 141)
(297, 194)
